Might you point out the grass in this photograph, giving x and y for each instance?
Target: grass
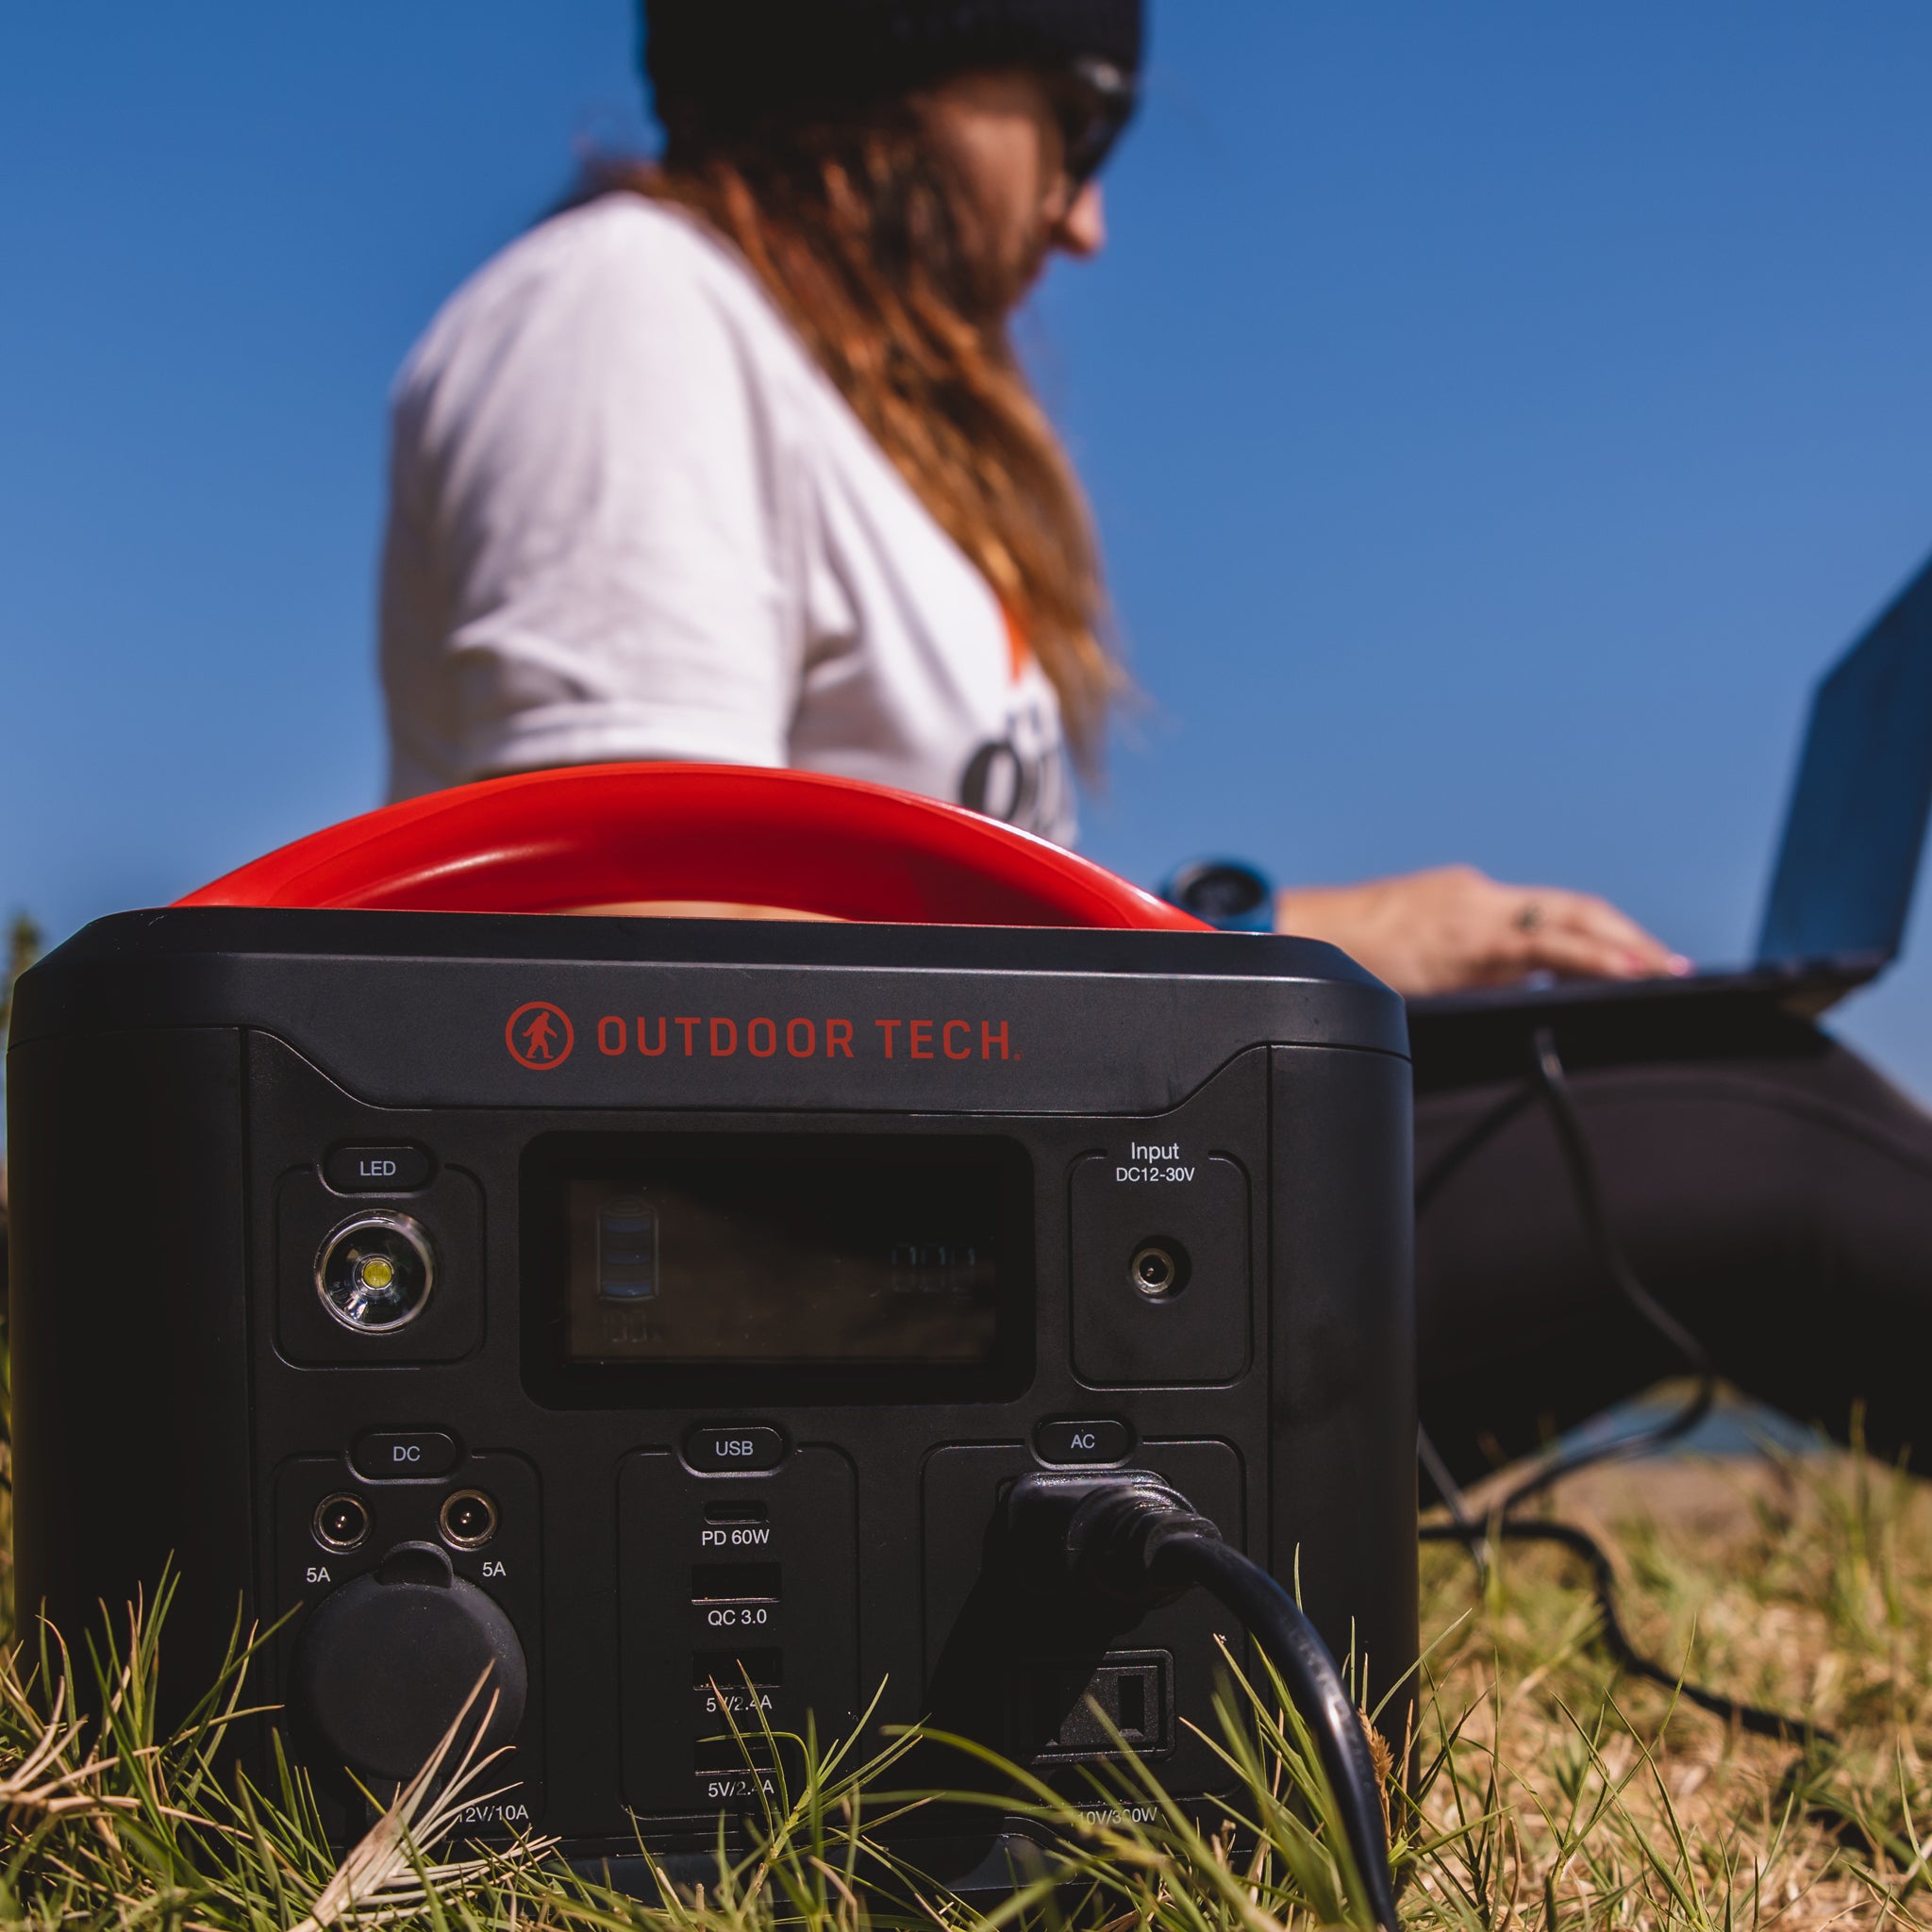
(1803, 1584)
(1555, 1795)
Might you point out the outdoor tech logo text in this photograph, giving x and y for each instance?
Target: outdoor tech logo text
(540, 1035)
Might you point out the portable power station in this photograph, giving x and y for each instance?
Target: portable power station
(665, 1313)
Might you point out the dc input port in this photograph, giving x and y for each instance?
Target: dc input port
(1160, 1269)
(468, 1520)
(341, 1522)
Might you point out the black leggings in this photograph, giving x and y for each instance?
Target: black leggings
(1774, 1191)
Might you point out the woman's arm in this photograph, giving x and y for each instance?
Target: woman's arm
(1452, 928)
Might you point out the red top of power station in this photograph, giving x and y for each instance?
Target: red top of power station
(611, 836)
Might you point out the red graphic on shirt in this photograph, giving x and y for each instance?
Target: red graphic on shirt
(540, 1035)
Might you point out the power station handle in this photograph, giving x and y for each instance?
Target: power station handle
(616, 836)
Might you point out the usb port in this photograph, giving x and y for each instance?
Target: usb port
(734, 1583)
(737, 1512)
(728, 1668)
(749, 1751)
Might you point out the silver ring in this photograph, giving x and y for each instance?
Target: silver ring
(1530, 918)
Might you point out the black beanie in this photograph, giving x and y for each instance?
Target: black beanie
(718, 63)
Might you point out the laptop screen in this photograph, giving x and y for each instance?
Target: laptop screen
(1856, 825)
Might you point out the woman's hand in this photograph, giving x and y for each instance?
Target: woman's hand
(1445, 931)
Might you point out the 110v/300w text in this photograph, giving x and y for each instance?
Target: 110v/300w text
(694, 1038)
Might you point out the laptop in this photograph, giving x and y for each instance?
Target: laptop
(1842, 889)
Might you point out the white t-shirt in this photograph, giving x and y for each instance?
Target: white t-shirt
(630, 518)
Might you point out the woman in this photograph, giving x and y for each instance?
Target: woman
(733, 462)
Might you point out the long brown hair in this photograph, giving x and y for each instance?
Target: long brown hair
(852, 224)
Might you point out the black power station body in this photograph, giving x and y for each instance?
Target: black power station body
(659, 1312)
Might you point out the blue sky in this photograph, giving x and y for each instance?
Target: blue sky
(1497, 416)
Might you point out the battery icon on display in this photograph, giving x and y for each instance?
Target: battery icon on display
(627, 1250)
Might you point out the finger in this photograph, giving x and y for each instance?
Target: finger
(1584, 916)
(1563, 951)
(1584, 955)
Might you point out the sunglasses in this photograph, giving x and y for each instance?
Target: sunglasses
(1097, 100)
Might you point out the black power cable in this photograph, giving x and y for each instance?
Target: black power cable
(1550, 1082)
(1129, 1537)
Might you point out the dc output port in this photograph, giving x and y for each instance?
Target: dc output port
(341, 1522)
(1160, 1269)
(468, 1520)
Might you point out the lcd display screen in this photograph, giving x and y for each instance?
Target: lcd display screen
(744, 1251)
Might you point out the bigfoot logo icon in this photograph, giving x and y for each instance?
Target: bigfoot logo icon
(540, 1035)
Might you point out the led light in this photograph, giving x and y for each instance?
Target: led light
(375, 1272)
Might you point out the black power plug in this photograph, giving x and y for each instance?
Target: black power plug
(1131, 1538)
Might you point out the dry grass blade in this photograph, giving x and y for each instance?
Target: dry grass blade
(47, 1780)
(386, 1865)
